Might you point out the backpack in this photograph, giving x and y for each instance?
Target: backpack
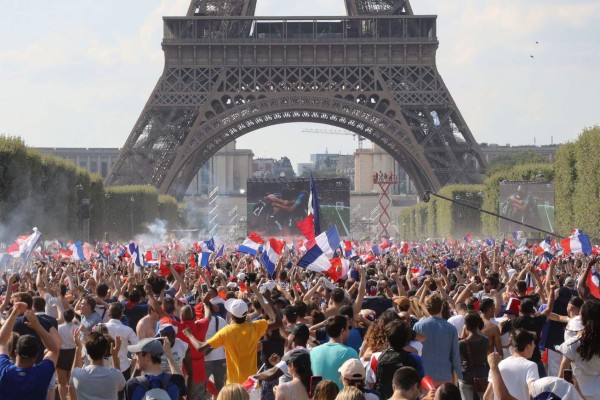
(152, 391)
(388, 363)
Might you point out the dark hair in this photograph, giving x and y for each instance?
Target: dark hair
(405, 378)
(521, 286)
(590, 334)
(102, 290)
(576, 301)
(303, 369)
(486, 304)
(522, 338)
(91, 302)
(338, 295)
(449, 391)
(317, 316)
(527, 306)
(397, 334)
(24, 297)
(135, 296)
(63, 290)
(115, 311)
(301, 308)
(238, 320)
(12, 343)
(346, 310)
(473, 321)
(96, 345)
(39, 304)
(157, 283)
(434, 303)
(335, 325)
(68, 315)
(291, 314)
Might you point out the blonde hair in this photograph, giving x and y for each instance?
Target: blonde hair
(326, 390)
(233, 391)
(350, 393)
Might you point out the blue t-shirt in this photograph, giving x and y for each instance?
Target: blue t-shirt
(25, 383)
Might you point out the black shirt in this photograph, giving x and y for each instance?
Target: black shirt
(46, 321)
(379, 304)
(532, 324)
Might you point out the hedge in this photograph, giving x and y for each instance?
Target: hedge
(564, 186)
(586, 202)
(49, 192)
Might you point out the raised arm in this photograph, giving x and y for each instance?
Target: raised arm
(361, 292)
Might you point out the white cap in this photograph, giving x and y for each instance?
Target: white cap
(217, 300)
(237, 308)
(241, 276)
(231, 285)
(269, 285)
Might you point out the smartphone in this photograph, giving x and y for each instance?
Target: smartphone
(204, 288)
(568, 375)
(314, 381)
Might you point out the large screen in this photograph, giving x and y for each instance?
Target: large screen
(275, 205)
(528, 202)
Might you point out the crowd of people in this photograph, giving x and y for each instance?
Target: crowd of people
(403, 325)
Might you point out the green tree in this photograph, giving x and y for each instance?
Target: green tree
(505, 162)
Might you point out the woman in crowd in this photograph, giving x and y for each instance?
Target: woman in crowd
(326, 390)
(299, 368)
(233, 391)
(473, 356)
(582, 352)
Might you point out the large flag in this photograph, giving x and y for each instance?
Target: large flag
(251, 244)
(271, 254)
(544, 248)
(339, 268)
(77, 251)
(24, 245)
(313, 206)
(317, 257)
(307, 227)
(578, 242)
(134, 251)
(593, 283)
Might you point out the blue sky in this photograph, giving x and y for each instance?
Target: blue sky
(78, 72)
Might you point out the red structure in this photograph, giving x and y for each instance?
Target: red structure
(384, 180)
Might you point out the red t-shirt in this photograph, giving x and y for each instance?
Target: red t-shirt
(198, 329)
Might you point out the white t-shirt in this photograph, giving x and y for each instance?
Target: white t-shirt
(517, 372)
(587, 373)
(51, 305)
(219, 352)
(178, 349)
(459, 323)
(504, 339)
(573, 327)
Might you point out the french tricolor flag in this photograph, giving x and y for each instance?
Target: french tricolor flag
(251, 244)
(271, 254)
(317, 257)
(544, 248)
(578, 242)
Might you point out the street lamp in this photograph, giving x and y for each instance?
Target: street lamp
(106, 197)
(132, 201)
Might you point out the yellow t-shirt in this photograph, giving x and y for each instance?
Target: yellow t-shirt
(240, 342)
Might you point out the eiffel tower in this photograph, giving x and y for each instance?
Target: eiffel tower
(228, 72)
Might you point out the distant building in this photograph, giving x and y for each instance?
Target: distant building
(272, 168)
(229, 168)
(491, 150)
(95, 160)
(367, 161)
(302, 167)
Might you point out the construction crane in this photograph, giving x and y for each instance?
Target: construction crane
(337, 132)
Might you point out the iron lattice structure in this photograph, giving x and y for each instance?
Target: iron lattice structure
(228, 72)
